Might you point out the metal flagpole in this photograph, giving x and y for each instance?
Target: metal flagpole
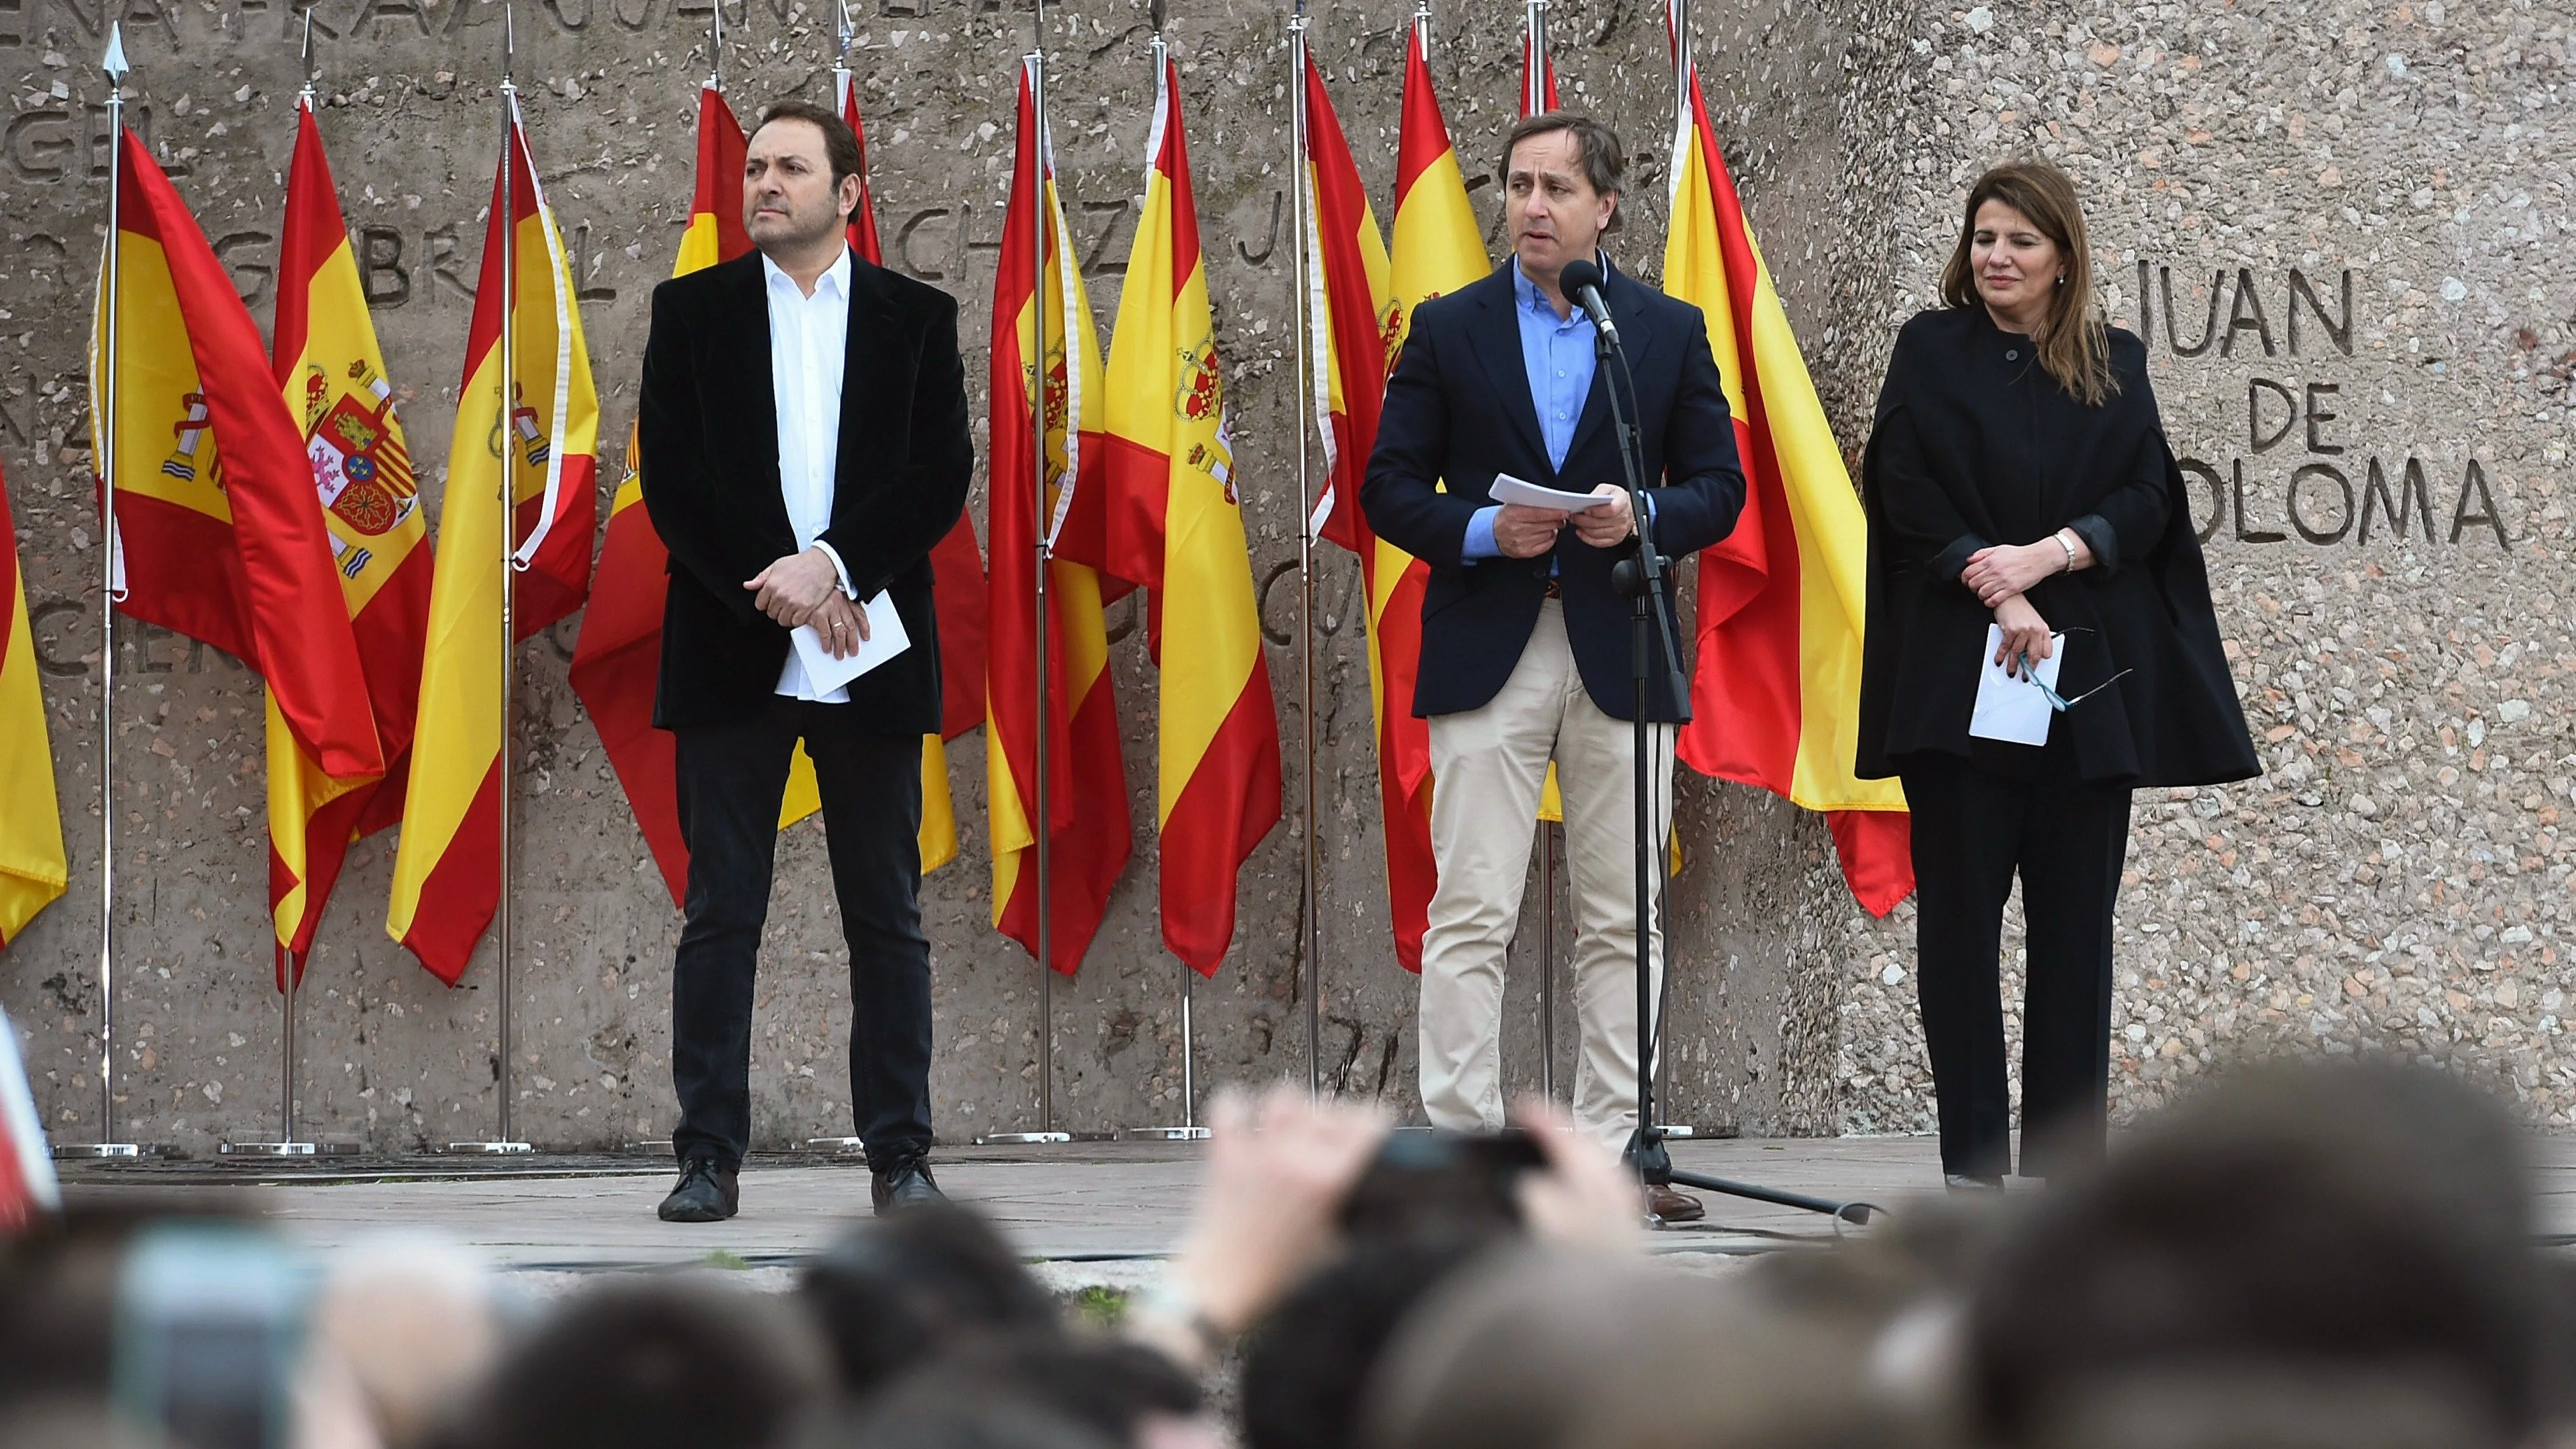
(1534, 78)
(1189, 1130)
(1041, 556)
(841, 83)
(505, 1143)
(1308, 862)
(289, 965)
(1682, 135)
(103, 401)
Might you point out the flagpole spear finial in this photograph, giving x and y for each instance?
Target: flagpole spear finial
(509, 46)
(114, 62)
(842, 7)
(305, 53)
(715, 45)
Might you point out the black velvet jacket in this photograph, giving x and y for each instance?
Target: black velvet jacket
(1976, 444)
(708, 429)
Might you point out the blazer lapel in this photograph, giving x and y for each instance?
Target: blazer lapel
(1627, 301)
(864, 384)
(1497, 339)
(746, 348)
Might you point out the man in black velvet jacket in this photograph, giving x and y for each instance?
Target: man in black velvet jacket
(804, 437)
(1525, 645)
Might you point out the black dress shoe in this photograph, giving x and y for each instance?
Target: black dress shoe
(904, 1183)
(1974, 1181)
(705, 1193)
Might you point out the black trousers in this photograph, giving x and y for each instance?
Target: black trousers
(731, 781)
(1972, 830)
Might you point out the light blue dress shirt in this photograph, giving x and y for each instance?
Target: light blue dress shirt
(1557, 354)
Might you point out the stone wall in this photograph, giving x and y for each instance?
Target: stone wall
(2341, 229)
(2394, 880)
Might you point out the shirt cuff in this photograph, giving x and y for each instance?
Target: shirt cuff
(2099, 536)
(1480, 544)
(838, 567)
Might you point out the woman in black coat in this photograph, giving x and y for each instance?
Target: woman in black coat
(2018, 476)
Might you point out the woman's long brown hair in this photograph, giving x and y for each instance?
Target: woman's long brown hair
(2072, 342)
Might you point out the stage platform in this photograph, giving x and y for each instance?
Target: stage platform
(1103, 1212)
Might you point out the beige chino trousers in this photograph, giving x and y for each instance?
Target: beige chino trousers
(1488, 765)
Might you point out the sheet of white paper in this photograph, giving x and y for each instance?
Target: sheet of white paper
(886, 639)
(2009, 707)
(1508, 489)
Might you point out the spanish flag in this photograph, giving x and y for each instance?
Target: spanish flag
(1089, 832)
(332, 376)
(1775, 700)
(957, 579)
(33, 868)
(1168, 451)
(1353, 320)
(218, 533)
(447, 874)
(618, 658)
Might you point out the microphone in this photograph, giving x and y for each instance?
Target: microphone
(1581, 281)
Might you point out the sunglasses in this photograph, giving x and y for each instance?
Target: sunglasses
(2058, 702)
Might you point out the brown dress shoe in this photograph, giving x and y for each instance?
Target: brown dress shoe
(1673, 1206)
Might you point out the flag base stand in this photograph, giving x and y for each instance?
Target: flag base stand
(1167, 1134)
(487, 1149)
(287, 1149)
(653, 1147)
(1022, 1139)
(838, 1146)
(1668, 1133)
(107, 1151)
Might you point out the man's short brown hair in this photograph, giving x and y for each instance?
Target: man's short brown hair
(840, 143)
(1604, 163)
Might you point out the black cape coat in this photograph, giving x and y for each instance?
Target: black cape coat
(1975, 443)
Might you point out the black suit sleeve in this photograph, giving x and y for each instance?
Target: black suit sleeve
(1400, 495)
(709, 539)
(902, 513)
(1704, 488)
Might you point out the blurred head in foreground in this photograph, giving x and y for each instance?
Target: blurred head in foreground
(647, 1363)
(896, 1291)
(2298, 1251)
(1542, 1349)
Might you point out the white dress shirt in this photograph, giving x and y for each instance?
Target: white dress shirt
(808, 345)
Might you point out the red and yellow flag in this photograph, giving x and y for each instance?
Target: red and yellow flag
(1088, 829)
(218, 533)
(957, 573)
(1168, 450)
(1776, 696)
(618, 658)
(1437, 249)
(447, 874)
(863, 221)
(332, 376)
(33, 868)
(1354, 322)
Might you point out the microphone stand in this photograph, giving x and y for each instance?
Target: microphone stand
(1644, 577)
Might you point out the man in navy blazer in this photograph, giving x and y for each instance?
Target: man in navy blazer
(1525, 644)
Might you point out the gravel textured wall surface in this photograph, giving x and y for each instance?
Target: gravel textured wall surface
(2395, 880)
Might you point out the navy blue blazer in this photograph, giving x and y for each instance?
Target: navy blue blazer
(1459, 408)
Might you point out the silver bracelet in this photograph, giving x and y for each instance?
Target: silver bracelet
(2060, 536)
